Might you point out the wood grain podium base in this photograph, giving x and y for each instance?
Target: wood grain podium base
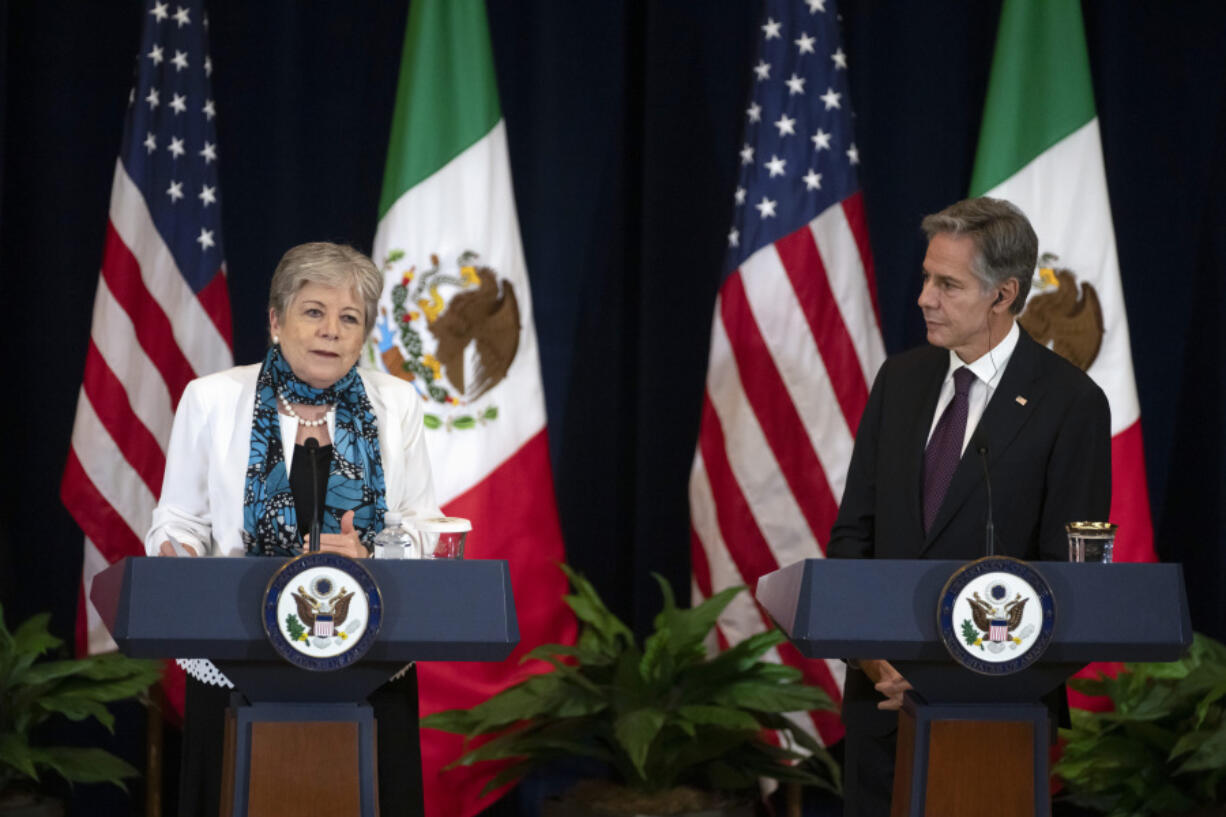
(958, 760)
(307, 760)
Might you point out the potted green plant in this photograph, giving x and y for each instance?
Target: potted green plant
(1162, 749)
(33, 691)
(682, 732)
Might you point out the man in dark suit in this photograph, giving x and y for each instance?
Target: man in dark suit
(915, 486)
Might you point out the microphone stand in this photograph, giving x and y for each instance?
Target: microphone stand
(990, 531)
(312, 447)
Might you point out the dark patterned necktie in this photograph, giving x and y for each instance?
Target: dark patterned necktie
(944, 450)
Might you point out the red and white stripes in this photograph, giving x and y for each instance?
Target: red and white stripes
(149, 336)
(795, 345)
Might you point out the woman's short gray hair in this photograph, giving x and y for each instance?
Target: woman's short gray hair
(1005, 243)
(333, 265)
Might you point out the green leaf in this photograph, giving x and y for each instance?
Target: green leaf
(1088, 686)
(140, 672)
(635, 730)
(537, 741)
(1205, 705)
(77, 707)
(610, 634)
(32, 636)
(431, 421)
(393, 256)
(15, 752)
(1210, 755)
(1188, 743)
(78, 765)
(490, 413)
(544, 694)
(584, 657)
(726, 716)
(771, 697)
(464, 422)
(687, 629)
(510, 774)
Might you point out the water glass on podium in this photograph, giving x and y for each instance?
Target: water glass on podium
(1091, 541)
(442, 537)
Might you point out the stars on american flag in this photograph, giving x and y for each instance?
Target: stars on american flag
(172, 149)
(798, 156)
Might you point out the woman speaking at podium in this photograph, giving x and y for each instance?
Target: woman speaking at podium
(238, 479)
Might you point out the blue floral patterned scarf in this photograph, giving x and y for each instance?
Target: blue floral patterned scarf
(355, 480)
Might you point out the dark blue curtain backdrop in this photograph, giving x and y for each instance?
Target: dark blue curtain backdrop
(624, 119)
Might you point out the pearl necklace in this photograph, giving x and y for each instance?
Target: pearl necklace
(290, 411)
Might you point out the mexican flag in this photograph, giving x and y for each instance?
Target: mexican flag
(456, 323)
(1039, 148)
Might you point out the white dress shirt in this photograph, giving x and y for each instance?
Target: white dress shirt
(988, 370)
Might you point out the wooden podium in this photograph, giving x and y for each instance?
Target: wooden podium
(302, 742)
(971, 744)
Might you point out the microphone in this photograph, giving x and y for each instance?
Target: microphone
(312, 447)
(981, 446)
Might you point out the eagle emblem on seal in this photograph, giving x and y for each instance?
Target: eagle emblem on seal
(322, 613)
(1062, 317)
(994, 619)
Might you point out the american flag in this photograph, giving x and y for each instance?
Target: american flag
(162, 312)
(795, 340)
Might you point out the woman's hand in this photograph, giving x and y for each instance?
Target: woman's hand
(167, 549)
(886, 680)
(345, 543)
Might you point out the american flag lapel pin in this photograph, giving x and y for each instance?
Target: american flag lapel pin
(1021, 401)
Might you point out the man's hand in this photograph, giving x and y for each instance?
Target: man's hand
(345, 543)
(167, 549)
(886, 680)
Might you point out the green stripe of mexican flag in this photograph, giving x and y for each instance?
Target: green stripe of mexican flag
(1039, 147)
(456, 324)
(446, 98)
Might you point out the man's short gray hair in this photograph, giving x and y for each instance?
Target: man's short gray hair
(333, 265)
(1006, 245)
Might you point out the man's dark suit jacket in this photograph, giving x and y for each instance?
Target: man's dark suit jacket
(1047, 430)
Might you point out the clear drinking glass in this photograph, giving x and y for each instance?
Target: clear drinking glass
(442, 537)
(1091, 541)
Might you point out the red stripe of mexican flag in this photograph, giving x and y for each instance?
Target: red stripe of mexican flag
(1039, 148)
(457, 323)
